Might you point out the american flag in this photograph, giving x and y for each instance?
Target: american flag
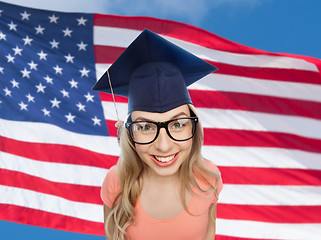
(261, 114)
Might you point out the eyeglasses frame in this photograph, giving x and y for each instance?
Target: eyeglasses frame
(162, 125)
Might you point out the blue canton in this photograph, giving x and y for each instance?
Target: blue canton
(47, 69)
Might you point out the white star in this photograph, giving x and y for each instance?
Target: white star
(48, 79)
(40, 88)
(45, 112)
(84, 72)
(81, 21)
(14, 83)
(67, 32)
(33, 65)
(39, 29)
(55, 103)
(58, 69)
(82, 46)
(1, 70)
(12, 26)
(25, 15)
(3, 36)
(73, 83)
(96, 121)
(10, 58)
(81, 107)
(64, 93)
(1, 12)
(25, 73)
(7, 92)
(42, 55)
(30, 98)
(54, 44)
(53, 19)
(27, 40)
(17, 50)
(69, 58)
(70, 118)
(23, 106)
(89, 97)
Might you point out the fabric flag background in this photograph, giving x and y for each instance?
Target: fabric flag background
(261, 114)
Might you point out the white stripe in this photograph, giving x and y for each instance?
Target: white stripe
(265, 87)
(50, 203)
(262, 157)
(241, 120)
(101, 69)
(34, 132)
(55, 172)
(270, 195)
(254, 121)
(120, 37)
(262, 230)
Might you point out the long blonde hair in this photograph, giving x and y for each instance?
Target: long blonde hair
(130, 170)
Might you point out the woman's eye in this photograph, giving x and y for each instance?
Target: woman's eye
(143, 127)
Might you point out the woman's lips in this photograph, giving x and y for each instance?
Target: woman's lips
(165, 161)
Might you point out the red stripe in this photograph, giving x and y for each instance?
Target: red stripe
(245, 138)
(108, 54)
(271, 176)
(244, 101)
(73, 192)
(273, 214)
(56, 153)
(174, 29)
(255, 103)
(49, 220)
(106, 97)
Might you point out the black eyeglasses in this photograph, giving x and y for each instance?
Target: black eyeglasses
(178, 129)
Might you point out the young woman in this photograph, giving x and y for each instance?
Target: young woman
(161, 187)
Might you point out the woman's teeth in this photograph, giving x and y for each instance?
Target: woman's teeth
(164, 159)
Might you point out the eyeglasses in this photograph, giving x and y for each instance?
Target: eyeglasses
(145, 132)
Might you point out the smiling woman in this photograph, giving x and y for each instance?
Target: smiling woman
(161, 187)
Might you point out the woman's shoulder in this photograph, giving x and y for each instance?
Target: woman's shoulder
(213, 176)
(209, 165)
(110, 187)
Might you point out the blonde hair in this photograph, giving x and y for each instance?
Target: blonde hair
(130, 170)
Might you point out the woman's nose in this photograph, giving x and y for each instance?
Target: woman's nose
(163, 142)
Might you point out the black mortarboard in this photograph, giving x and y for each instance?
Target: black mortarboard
(154, 74)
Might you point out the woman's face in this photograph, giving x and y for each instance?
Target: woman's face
(164, 156)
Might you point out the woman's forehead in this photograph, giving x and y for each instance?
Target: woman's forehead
(159, 117)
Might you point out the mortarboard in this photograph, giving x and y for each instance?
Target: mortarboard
(154, 74)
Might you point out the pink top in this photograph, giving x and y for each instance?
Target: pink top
(182, 227)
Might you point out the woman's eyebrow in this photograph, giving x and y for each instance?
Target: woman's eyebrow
(173, 117)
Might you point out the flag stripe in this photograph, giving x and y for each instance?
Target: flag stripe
(58, 136)
(258, 72)
(272, 195)
(30, 199)
(264, 230)
(270, 176)
(70, 173)
(249, 85)
(255, 103)
(40, 218)
(227, 137)
(73, 192)
(76, 155)
(272, 214)
(247, 102)
(121, 38)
